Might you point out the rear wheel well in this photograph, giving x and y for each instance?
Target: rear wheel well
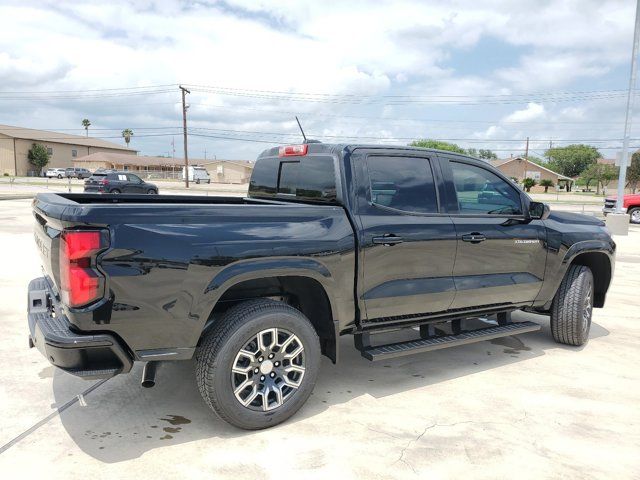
(601, 268)
(303, 293)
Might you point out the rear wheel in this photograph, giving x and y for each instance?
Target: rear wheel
(197, 181)
(115, 190)
(572, 307)
(634, 215)
(258, 365)
(60, 177)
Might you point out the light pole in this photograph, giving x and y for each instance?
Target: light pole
(627, 121)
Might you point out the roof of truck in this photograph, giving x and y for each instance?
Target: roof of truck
(317, 147)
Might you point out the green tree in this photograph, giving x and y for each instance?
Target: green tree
(439, 145)
(601, 173)
(38, 156)
(527, 183)
(473, 152)
(546, 183)
(633, 171)
(572, 160)
(86, 124)
(487, 154)
(127, 133)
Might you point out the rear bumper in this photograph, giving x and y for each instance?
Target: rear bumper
(88, 356)
(608, 209)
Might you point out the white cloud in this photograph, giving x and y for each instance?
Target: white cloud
(533, 111)
(399, 47)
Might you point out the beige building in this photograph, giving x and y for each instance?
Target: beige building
(15, 143)
(221, 171)
(229, 171)
(519, 168)
(136, 163)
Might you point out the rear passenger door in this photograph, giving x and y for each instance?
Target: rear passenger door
(408, 244)
(501, 254)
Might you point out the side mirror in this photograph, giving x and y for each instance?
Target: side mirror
(539, 211)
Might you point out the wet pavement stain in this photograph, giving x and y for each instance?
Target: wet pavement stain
(172, 429)
(514, 345)
(166, 437)
(46, 372)
(176, 420)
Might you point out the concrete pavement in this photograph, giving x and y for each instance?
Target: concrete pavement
(521, 407)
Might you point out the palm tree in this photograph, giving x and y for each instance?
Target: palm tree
(86, 124)
(127, 133)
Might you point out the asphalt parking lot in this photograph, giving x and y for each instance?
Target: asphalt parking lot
(516, 407)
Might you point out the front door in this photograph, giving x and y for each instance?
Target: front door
(501, 255)
(408, 245)
(134, 184)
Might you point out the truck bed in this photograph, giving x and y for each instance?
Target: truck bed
(170, 258)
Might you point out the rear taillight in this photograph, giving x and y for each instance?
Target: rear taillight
(80, 282)
(293, 150)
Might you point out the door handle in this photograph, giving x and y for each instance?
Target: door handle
(474, 237)
(387, 240)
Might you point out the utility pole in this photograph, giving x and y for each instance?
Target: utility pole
(184, 131)
(526, 156)
(627, 121)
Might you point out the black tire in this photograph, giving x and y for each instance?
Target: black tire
(151, 191)
(60, 177)
(115, 190)
(197, 181)
(572, 307)
(634, 212)
(219, 351)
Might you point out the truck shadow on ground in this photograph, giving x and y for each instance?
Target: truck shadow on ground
(120, 420)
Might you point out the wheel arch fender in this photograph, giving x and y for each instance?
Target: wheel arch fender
(599, 256)
(273, 269)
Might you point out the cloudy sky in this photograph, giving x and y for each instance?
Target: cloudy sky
(484, 73)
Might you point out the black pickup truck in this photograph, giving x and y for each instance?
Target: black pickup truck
(331, 240)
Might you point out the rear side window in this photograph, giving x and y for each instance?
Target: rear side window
(480, 191)
(307, 178)
(402, 183)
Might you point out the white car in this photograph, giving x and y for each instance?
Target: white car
(55, 172)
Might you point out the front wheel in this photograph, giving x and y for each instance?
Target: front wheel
(60, 177)
(258, 364)
(572, 307)
(151, 191)
(115, 190)
(634, 215)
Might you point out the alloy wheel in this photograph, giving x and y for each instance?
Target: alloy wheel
(268, 370)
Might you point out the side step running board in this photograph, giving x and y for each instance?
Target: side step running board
(383, 352)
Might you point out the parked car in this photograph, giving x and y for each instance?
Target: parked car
(55, 173)
(332, 240)
(631, 205)
(118, 182)
(198, 175)
(77, 172)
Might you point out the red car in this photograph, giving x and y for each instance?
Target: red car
(631, 205)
